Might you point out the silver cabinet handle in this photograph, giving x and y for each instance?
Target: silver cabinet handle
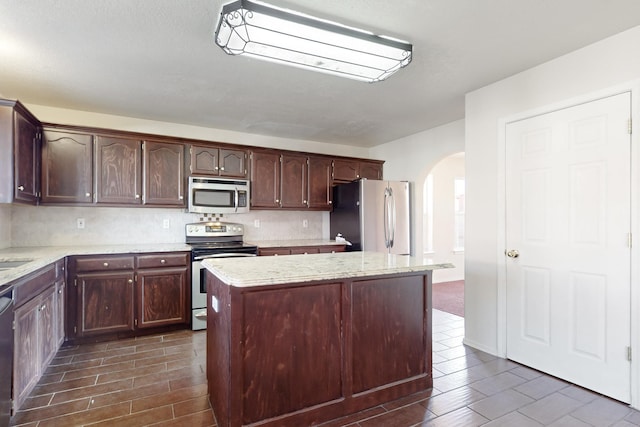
(21, 187)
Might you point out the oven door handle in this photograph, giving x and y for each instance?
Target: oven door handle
(223, 255)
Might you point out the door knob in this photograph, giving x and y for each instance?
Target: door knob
(513, 253)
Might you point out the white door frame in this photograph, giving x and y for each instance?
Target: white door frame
(501, 303)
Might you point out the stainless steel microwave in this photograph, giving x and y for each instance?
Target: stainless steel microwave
(218, 195)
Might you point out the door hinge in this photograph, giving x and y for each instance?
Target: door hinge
(75, 282)
(630, 126)
(629, 240)
(75, 329)
(13, 325)
(135, 322)
(629, 354)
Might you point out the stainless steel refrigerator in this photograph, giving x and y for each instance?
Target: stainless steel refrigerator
(373, 215)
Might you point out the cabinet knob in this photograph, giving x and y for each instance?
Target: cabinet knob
(180, 197)
(222, 168)
(277, 200)
(87, 194)
(137, 196)
(216, 168)
(21, 187)
(162, 261)
(330, 202)
(130, 281)
(304, 201)
(43, 307)
(106, 264)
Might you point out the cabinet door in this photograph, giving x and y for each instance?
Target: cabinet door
(346, 170)
(293, 181)
(233, 163)
(105, 302)
(61, 309)
(320, 193)
(67, 167)
(47, 330)
(204, 160)
(370, 170)
(26, 365)
(162, 297)
(265, 180)
(163, 174)
(119, 170)
(26, 162)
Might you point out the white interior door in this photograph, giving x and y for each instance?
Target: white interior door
(567, 244)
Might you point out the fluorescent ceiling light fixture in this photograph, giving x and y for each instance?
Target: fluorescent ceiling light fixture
(266, 32)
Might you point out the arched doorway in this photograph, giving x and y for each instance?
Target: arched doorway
(443, 230)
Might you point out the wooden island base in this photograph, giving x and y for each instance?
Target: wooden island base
(300, 354)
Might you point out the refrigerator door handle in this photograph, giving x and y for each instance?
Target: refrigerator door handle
(389, 218)
(392, 232)
(387, 194)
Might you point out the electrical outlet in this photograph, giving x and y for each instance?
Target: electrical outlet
(80, 222)
(256, 223)
(305, 223)
(166, 223)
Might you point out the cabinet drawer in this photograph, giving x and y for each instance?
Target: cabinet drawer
(163, 260)
(104, 263)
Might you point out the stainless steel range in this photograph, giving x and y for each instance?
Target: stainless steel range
(211, 240)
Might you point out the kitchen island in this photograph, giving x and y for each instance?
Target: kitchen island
(299, 340)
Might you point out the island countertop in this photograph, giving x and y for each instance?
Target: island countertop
(262, 271)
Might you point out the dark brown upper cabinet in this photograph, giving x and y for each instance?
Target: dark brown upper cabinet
(347, 170)
(215, 161)
(20, 135)
(67, 167)
(265, 179)
(284, 180)
(163, 174)
(118, 170)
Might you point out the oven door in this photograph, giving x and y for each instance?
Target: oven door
(199, 286)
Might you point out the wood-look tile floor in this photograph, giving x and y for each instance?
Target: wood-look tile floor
(160, 381)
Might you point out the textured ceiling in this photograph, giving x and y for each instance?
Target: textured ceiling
(156, 59)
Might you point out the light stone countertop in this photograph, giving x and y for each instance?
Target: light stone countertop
(295, 242)
(42, 256)
(262, 271)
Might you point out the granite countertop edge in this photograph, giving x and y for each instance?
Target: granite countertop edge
(294, 242)
(41, 256)
(265, 271)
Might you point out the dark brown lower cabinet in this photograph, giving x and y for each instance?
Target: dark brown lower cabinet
(38, 322)
(305, 353)
(161, 297)
(105, 302)
(128, 294)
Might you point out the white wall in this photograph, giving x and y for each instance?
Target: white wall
(412, 158)
(610, 62)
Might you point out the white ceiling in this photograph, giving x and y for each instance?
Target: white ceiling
(156, 59)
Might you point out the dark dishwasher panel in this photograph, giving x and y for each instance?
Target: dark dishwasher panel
(6, 354)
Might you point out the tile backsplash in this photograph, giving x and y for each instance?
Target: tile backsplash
(58, 226)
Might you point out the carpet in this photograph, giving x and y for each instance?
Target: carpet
(449, 297)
